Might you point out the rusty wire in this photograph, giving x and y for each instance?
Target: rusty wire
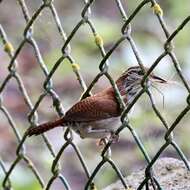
(21, 153)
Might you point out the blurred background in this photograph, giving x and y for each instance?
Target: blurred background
(149, 38)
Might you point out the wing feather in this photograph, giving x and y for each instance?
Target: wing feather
(93, 108)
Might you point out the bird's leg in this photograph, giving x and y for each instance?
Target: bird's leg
(104, 141)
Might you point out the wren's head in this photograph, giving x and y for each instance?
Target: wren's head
(129, 83)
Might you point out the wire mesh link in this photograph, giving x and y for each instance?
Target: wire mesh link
(85, 19)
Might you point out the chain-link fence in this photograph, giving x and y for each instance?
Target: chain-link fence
(85, 19)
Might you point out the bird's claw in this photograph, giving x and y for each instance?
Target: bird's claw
(114, 138)
(101, 142)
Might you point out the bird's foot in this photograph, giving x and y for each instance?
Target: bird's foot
(102, 142)
(114, 138)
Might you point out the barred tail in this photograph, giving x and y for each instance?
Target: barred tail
(44, 127)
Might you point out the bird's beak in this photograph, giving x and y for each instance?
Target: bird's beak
(158, 79)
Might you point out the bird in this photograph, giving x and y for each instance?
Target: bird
(98, 116)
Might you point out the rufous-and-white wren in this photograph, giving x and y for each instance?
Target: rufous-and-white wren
(98, 116)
